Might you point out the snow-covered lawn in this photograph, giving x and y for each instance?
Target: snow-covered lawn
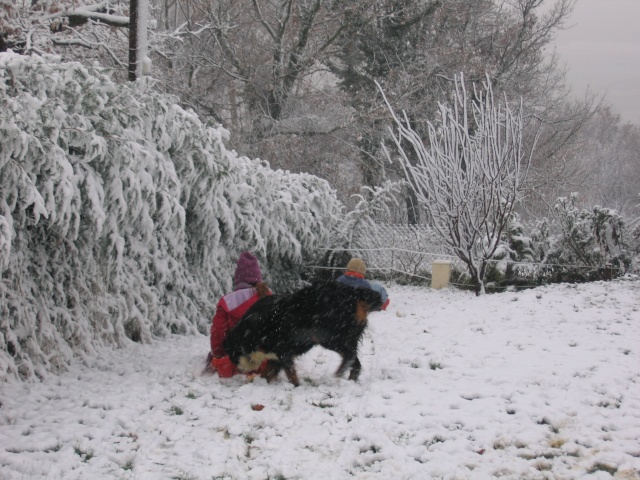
(542, 383)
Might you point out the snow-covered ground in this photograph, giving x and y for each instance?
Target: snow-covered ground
(537, 384)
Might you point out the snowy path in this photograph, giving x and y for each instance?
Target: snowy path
(537, 384)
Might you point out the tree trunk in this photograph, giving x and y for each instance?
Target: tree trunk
(411, 200)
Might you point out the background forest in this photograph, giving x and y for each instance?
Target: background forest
(294, 80)
(263, 125)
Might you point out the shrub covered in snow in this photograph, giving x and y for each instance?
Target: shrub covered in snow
(122, 215)
(576, 244)
(515, 256)
(592, 238)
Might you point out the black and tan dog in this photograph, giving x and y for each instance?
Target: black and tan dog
(280, 328)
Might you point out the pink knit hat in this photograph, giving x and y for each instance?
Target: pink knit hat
(247, 271)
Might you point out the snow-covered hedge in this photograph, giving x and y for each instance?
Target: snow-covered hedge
(122, 215)
(575, 245)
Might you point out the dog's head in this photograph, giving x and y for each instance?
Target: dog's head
(367, 300)
(362, 310)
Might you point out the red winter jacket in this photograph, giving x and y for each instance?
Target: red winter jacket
(229, 310)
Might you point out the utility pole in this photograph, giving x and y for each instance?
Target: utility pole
(139, 62)
(133, 40)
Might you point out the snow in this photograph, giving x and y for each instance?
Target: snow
(542, 383)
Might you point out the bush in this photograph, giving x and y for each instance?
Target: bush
(577, 245)
(592, 241)
(122, 215)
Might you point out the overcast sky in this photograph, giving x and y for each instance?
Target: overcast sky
(602, 50)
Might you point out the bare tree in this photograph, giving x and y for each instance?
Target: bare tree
(414, 49)
(609, 151)
(262, 54)
(468, 177)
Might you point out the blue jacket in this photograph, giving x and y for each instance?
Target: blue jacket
(353, 281)
(383, 293)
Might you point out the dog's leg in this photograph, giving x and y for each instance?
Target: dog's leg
(290, 371)
(292, 375)
(347, 362)
(356, 367)
(350, 361)
(271, 370)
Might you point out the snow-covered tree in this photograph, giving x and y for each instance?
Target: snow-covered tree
(122, 214)
(467, 177)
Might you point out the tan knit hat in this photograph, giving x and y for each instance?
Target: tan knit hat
(357, 265)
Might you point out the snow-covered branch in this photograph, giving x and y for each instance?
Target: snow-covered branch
(466, 172)
(77, 17)
(40, 28)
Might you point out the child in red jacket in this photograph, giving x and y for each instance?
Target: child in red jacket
(248, 289)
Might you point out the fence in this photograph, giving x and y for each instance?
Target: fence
(407, 253)
(392, 251)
